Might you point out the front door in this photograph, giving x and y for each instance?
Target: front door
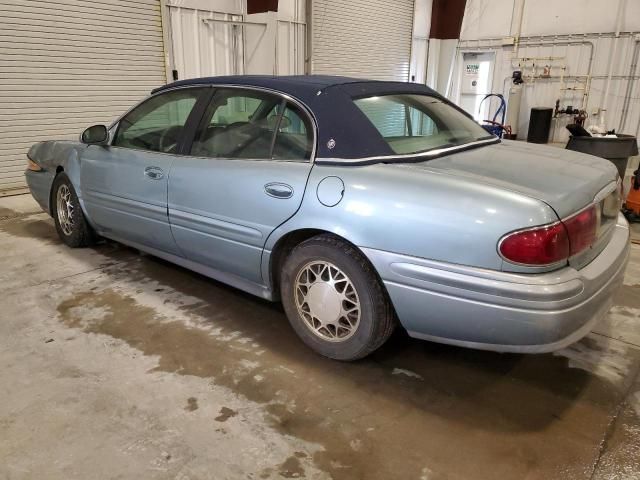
(124, 184)
(245, 175)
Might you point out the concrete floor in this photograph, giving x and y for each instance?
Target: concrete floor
(119, 365)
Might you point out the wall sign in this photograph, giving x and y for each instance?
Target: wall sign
(472, 68)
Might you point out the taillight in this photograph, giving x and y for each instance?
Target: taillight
(550, 244)
(582, 228)
(536, 246)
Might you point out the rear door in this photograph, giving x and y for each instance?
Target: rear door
(245, 175)
(124, 184)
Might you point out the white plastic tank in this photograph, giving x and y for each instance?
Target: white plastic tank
(513, 107)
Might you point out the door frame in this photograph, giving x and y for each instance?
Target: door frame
(460, 66)
(203, 103)
(199, 109)
(193, 123)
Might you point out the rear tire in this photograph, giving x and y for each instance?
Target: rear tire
(71, 225)
(334, 299)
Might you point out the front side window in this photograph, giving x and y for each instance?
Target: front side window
(253, 125)
(418, 123)
(157, 123)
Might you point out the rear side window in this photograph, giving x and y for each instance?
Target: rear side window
(157, 123)
(295, 135)
(417, 123)
(253, 125)
(237, 109)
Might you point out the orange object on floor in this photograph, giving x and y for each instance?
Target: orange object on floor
(633, 198)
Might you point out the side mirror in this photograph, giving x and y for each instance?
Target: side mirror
(95, 135)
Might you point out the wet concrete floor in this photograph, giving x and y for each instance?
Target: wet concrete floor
(115, 364)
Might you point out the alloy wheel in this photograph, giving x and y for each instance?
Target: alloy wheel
(327, 301)
(64, 205)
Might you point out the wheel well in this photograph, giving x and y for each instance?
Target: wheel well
(59, 169)
(282, 247)
(285, 245)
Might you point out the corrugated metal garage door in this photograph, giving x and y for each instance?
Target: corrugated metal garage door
(360, 38)
(67, 64)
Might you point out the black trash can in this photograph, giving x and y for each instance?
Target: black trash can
(615, 149)
(539, 125)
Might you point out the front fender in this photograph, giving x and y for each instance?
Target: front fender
(53, 155)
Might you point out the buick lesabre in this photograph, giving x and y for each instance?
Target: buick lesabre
(357, 204)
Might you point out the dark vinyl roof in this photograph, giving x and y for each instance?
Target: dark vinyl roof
(343, 130)
(303, 84)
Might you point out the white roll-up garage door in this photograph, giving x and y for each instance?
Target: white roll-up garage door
(68, 64)
(362, 38)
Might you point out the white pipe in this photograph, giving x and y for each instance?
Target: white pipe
(516, 45)
(605, 96)
(452, 68)
(573, 37)
(630, 85)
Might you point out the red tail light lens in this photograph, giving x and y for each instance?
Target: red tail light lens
(536, 246)
(552, 243)
(582, 228)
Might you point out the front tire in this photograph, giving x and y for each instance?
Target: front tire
(71, 225)
(334, 299)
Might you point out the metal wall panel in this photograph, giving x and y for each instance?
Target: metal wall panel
(219, 38)
(204, 41)
(359, 38)
(68, 64)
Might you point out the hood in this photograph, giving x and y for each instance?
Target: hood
(565, 180)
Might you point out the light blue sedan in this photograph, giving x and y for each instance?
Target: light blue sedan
(357, 204)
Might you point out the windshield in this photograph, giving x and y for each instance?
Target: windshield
(417, 123)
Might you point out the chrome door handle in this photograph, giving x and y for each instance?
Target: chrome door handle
(278, 190)
(154, 173)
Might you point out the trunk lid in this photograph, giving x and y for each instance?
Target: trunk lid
(565, 180)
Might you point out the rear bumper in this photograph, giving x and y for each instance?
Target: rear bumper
(502, 311)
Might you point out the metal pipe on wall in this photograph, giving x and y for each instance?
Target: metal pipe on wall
(589, 39)
(452, 68)
(308, 40)
(630, 84)
(588, 75)
(540, 44)
(605, 95)
(498, 41)
(516, 45)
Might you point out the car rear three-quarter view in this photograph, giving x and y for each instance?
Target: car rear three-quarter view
(360, 205)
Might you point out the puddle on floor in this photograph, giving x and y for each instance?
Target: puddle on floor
(390, 413)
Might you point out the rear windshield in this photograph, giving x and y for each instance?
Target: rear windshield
(418, 123)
